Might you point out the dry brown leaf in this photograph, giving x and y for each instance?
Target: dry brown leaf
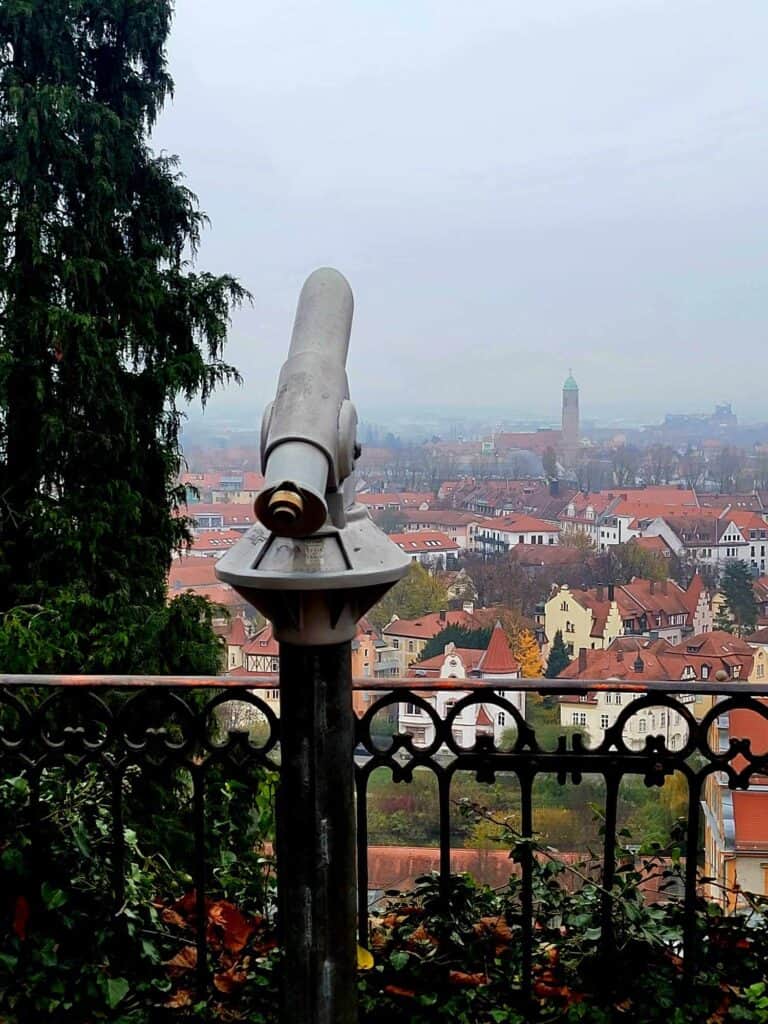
(466, 980)
(404, 993)
(170, 916)
(496, 927)
(235, 927)
(185, 960)
(179, 999)
(229, 980)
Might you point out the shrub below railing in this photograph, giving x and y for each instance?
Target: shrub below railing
(137, 882)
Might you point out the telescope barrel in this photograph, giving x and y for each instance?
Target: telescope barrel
(309, 432)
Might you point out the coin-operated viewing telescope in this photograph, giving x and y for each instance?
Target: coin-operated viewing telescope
(315, 562)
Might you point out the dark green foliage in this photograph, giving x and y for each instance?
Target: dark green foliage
(740, 610)
(75, 633)
(461, 636)
(457, 959)
(69, 953)
(559, 658)
(103, 326)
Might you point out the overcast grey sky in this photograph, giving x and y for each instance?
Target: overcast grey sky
(512, 187)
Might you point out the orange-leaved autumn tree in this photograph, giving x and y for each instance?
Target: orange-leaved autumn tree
(528, 653)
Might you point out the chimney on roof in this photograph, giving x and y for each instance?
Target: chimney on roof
(468, 607)
(554, 488)
(582, 659)
(639, 664)
(600, 593)
(664, 588)
(652, 586)
(611, 592)
(442, 615)
(619, 655)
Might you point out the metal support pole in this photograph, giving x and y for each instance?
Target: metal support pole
(316, 835)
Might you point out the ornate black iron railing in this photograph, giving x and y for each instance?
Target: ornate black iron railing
(230, 725)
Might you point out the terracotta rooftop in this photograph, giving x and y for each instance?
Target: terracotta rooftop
(190, 572)
(469, 657)
(234, 513)
(429, 625)
(217, 541)
(517, 523)
(236, 636)
(423, 542)
(498, 659)
(750, 816)
(263, 643)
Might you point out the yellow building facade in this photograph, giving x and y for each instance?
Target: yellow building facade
(583, 620)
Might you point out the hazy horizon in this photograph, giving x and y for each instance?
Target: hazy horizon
(511, 192)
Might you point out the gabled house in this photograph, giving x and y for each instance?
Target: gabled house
(409, 637)
(504, 533)
(715, 656)
(494, 666)
(431, 548)
(588, 619)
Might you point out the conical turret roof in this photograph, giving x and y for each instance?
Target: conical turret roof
(498, 658)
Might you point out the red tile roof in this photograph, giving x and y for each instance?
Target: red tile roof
(440, 517)
(427, 626)
(498, 659)
(745, 724)
(663, 661)
(750, 815)
(234, 513)
(483, 718)
(217, 541)
(469, 657)
(631, 660)
(656, 545)
(186, 573)
(424, 542)
(263, 643)
(237, 636)
(517, 523)
(220, 593)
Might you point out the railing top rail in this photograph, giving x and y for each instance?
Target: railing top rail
(555, 687)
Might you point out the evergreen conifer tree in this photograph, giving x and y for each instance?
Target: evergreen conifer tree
(461, 636)
(104, 324)
(558, 657)
(739, 612)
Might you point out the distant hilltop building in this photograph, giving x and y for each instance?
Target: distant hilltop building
(527, 448)
(569, 441)
(722, 418)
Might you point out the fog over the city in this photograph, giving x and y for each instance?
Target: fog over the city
(512, 188)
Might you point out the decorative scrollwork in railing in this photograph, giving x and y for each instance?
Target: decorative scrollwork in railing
(230, 727)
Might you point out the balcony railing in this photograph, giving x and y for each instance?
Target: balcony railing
(115, 725)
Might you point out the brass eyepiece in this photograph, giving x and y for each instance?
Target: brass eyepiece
(286, 506)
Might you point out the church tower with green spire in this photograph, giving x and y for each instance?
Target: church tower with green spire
(570, 435)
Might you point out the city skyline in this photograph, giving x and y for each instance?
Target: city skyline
(508, 196)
